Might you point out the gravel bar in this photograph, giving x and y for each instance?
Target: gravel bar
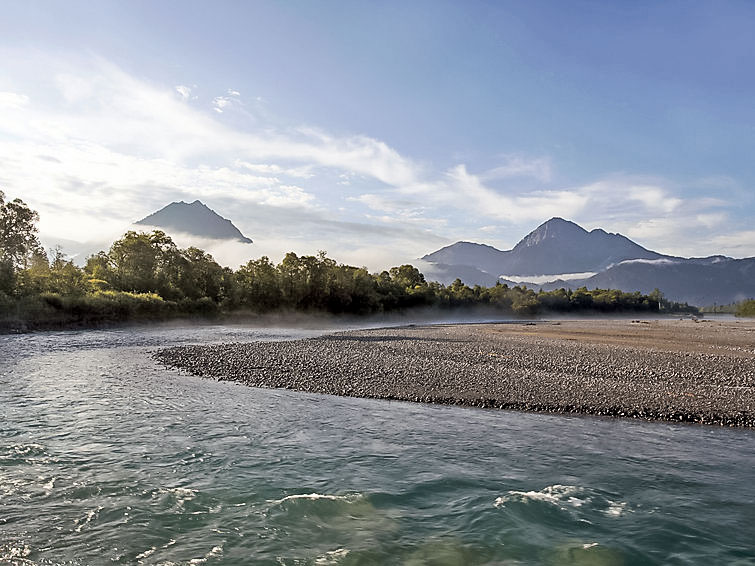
(671, 370)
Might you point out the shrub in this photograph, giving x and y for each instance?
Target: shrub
(746, 308)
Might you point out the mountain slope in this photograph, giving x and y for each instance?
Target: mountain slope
(695, 281)
(446, 274)
(559, 247)
(555, 247)
(478, 256)
(196, 219)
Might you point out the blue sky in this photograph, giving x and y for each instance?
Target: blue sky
(382, 131)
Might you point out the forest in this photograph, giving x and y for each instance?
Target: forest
(146, 276)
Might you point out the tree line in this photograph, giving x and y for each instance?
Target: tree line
(147, 276)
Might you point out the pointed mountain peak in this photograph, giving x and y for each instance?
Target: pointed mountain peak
(555, 228)
(196, 219)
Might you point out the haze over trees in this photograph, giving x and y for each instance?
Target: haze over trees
(146, 276)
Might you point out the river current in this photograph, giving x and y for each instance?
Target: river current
(106, 457)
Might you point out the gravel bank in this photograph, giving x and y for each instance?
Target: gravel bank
(672, 370)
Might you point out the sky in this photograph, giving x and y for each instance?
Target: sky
(382, 131)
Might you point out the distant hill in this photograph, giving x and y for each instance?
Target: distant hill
(559, 247)
(555, 247)
(447, 274)
(196, 219)
(697, 281)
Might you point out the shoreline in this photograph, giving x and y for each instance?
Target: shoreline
(667, 370)
(417, 316)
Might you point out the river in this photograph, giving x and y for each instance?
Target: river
(107, 457)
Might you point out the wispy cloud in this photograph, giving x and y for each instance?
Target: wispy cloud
(13, 100)
(220, 102)
(102, 148)
(184, 91)
(538, 168)
(741, 243)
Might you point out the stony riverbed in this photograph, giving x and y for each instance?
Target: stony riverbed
(683, 371)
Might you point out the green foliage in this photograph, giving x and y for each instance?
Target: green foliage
(18, 240)
(146, 276)
(408, 276)
(746, 308)
(715, 308)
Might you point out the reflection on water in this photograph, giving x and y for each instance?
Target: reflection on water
(106, 457)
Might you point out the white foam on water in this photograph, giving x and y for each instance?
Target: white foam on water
(147, 553)
(315, 496)
(16, 554)
(589, 545)
(616, 508)
(181, 494)
(216, 551)
(11, 486)
(332, 557)
(558, 495)
(23, 449)
(88, 519)
(49, 485)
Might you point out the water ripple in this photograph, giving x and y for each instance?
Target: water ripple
(106, 457)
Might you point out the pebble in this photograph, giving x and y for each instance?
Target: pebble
(470, 365)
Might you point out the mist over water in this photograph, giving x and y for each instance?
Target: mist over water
(107, 457)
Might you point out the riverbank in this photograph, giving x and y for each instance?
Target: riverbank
(283, 318)
(672, 370)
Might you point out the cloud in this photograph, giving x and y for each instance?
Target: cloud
(468, 191)
(184, 91)
(654, 198)
(520, 166)
(94, 148)
(738, 244)
(220, 102)
(304, 172)
(650, 261)
(13, 100)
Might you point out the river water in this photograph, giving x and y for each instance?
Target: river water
(107, 457)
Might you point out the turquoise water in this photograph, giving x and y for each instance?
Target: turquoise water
(106, 457)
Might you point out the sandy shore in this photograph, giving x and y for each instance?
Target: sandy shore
(673, 370)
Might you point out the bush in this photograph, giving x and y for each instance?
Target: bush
(746, 308)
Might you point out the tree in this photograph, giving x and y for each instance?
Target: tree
(746, 308)
(656, 299)
(258, 285)
(408, 276)
(144, 263)
(199, 275)
(65, 277)
(18, 239)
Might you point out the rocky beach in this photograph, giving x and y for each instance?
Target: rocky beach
(672, 370)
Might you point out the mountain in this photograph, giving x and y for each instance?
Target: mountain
(196, 219)
(560, 246)
(479, 257)
(555, 247)
(595, 259)
(447, 274)
(697, 281)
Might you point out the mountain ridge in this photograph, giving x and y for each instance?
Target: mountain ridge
(559, 247)
(195, 218)
(556, 246)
